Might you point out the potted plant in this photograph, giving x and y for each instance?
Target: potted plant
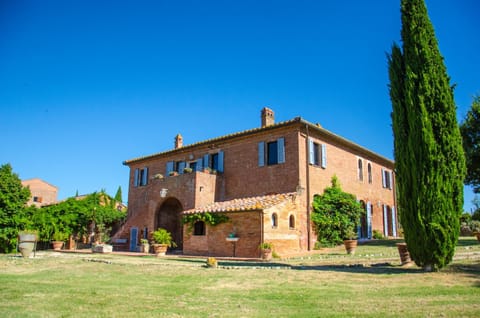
(58, 238)
(163, 240)
(187, 170)
(350, 237)
(266, 248)
(145, 246)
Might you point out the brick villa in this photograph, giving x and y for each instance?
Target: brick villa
(263, 179)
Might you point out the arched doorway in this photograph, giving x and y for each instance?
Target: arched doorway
(168, 217)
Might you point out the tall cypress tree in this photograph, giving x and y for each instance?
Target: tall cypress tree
(430, 163)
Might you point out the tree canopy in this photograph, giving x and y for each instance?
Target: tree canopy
(430, 163)
(13, 212)
(470, 129)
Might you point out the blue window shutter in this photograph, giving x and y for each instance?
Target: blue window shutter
(311, 152)
(369, 220)
(261, 154)
(220, 161)
(181, 166)
(383, 179)
(170, 166)
(385, 220)
(145, 176)
(206, 161)
(135, 178)
(199, 164)
(324, 156)
(281, 150)
(394, 222)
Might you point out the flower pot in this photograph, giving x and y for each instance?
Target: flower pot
(57, 245)
(102, 248)
(160, 249)
(145, 248)
(266, 254)
(26, 248)
(350, 246)
(477, 234)
(404, 254)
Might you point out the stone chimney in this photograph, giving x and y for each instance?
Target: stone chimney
(268, 117)
(178, 141)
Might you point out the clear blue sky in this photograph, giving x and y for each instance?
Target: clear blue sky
(85, 85)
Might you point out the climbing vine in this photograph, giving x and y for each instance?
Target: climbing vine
(212, 219)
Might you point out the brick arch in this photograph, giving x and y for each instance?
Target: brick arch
(168, 217)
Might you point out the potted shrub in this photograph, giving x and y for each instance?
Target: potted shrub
(163, 240)
(145, 246)
(187, 170)
(350, 237)
(266, 248)
(58, 238)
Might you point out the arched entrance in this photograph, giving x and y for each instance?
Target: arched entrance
(168, 217)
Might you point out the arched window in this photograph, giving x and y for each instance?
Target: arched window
(199, 228)
(274, 220)
(360, 170)
(291, 222)
(369, 171)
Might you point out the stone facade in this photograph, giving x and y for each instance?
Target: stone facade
(42, 192)
(277, 158)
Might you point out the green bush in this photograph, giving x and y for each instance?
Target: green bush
(336, 215)
(378, 235)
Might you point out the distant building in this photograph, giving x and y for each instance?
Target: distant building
(264, 179)
(43, 193)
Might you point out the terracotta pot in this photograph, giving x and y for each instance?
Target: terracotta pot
(267, 254)
(477, 234)
(404, 254)
(57, 245)
(350, 246)
(160, 249)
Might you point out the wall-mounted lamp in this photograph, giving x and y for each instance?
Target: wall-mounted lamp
(163, 192)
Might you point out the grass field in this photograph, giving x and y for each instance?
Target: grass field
(327, 284)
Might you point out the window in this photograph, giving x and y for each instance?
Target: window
(387, 179)
(140, 177)
(274, 220)
(291, 222)
(360, 170)
(214, 161)
(193, 166)
(37, 199)
(199, 228)
(317, 154)
(271, 152)
(369, 172)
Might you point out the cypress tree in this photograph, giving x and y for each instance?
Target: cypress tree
(430, 163)
(118, 195)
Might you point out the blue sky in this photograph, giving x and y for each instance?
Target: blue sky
(85, 85)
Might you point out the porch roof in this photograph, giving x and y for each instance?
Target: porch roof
(244, 204)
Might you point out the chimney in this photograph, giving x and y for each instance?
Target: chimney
(178, 141)
(268, 117)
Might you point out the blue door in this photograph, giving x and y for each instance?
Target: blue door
(133, 239)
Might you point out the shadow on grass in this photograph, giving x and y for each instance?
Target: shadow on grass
(383, 268)
(381, 243)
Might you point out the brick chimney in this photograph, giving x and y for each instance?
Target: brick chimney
(178, 141)
(268, 117)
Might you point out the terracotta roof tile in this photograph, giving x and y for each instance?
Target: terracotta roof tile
(244, 204)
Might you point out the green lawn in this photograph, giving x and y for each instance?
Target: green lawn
(328, 284)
